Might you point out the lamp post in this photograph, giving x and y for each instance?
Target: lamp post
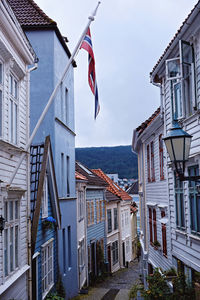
(178, 144)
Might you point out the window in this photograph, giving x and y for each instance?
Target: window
(80, 205)
(150, 225)
(69, 247)
(194, 201)
(13, 109)
(1, 99)
(179, 203)
(62, 173)
(45, 198)
(161, 157)
(152, 162)
(127, 246)
(90, 212)
(81, 255)
(109, 220)
(154, 225)
(126, 221)
(11, 236)
(66, 107)
(115, 219)
(97, 211)
(148, 165)
(180, 71)
(115, 256)
(47, 268)
(68, 174)
(164, 235)
(64, 250)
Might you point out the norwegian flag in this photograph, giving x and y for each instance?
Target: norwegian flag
(87, 45)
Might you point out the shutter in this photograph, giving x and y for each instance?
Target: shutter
(154, 225)
(148, 164)
(88, 213)
(164, 239)
(92, 221)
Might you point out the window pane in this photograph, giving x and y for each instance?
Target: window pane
(173, 68)
(178, 101)
(6, 252)
(16, 246)
(15, 123)
(10, 120)
(16, 210)
(11, 210)
(6, 211)
(15, 89)
(1, 114)
(192, 208)
(198, 213)
(11, 84)
(11, 249)
(1, 73)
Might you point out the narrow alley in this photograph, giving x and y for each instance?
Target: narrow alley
(116, 286)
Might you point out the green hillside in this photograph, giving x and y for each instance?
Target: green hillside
(119, 159)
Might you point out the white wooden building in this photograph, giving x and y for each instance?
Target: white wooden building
(81, 182)
(177, 73)
(15, 56)
(153, 191)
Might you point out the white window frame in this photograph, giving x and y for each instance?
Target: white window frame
(80, 204)
(167, 70)
(47, 260)
(81, 252)
(45, 198)
(1, 98)
(11, 231)
(13, 107)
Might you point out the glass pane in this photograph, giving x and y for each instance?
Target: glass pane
(10, 120)
(6, 211)
(16, 246)
(178, 112)
(15, 89)
(182, 210)
(16, 210)
(11, 249)
(15, 123)
(11, 84)
(192, 209)
(6, 252)
(1, 114)
(11, 210)
(186, 51)
(198, 213)
(173, 68)
(1, 73)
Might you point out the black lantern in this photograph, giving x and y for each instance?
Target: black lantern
(178, 144)
(2, 223)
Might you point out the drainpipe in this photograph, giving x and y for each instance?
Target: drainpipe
(28, 186)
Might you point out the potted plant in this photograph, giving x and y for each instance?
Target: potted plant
(48, 223)
(156, 244)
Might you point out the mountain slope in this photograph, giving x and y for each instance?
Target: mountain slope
(119, 159)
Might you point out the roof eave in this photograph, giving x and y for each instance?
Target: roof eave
(154, 78)
(54, 27)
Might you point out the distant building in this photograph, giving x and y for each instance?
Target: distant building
(133, 192)
(114, 177)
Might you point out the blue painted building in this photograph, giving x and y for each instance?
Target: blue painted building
(45, 219)
(53, 53)
(96, 222)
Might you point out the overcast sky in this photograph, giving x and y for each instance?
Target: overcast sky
(128, 38)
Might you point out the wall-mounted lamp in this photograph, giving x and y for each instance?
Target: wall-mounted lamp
(178, 144)
(2, 224)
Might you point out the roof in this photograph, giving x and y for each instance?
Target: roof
(146, 123)
(79, 176)
(32, 17)
(113, 187)
(133, 189)
(92, 178)
(134, 207)
(174, 37)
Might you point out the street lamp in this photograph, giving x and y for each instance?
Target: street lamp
(178, 144)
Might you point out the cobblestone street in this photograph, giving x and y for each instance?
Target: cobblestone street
(116, 286)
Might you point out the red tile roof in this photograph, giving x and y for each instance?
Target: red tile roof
(134, 207)
(79, 176)
(112, 187)
(171, 42)
(145, 124)
(29, 13)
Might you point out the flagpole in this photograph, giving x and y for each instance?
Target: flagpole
(75, 52)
